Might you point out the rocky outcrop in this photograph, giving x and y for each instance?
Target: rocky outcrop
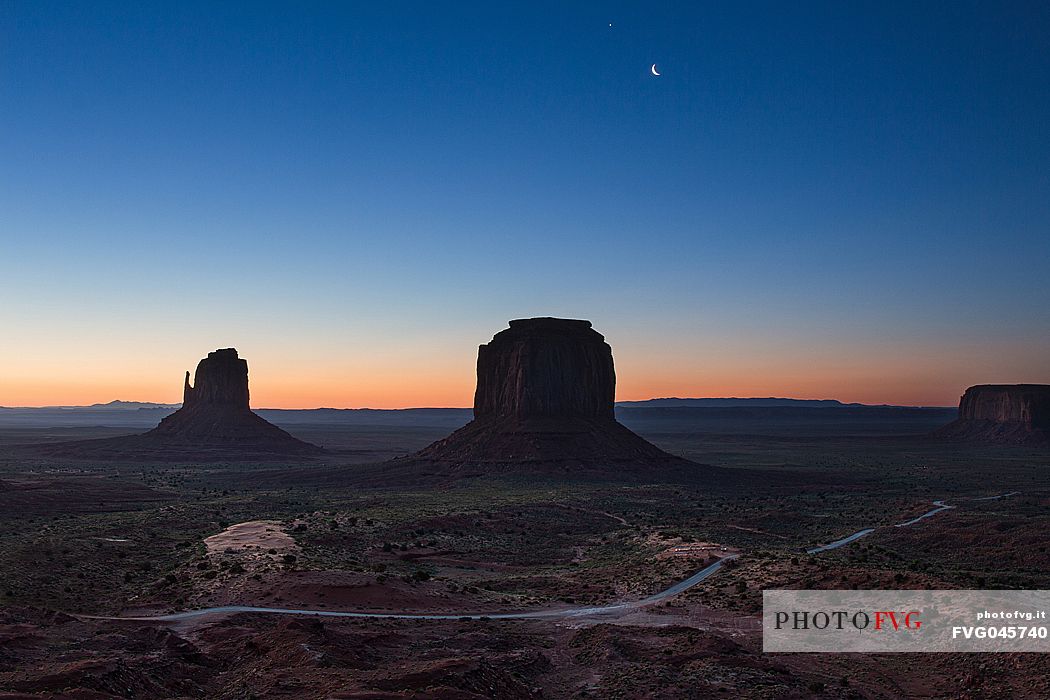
(221, 379)
(215, 423)
(544, 403)
(1003, 413)
(1028, 404)
(546, 368)
(215, 412)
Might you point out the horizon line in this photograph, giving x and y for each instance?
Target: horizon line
(160, 404)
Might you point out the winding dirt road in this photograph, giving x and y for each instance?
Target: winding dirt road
(940, 507)
(562, 613)
(538, 614)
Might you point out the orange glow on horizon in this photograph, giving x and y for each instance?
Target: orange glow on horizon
(399, 375)
(411, 392)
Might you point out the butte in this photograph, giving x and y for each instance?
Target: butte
(215, 422)
(544, 405)
(1002, 413)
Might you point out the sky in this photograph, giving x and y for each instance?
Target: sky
(813, 200)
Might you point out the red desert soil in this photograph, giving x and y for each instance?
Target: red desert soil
(335, 590)
(47, 494)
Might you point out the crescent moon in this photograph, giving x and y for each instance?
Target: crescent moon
(653, 70)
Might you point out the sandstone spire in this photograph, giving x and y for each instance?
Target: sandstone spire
(215, 423)
(215, 412)
(221, 379)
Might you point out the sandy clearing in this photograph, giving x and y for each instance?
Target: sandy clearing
(252, 537)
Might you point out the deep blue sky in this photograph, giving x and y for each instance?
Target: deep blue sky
(841, 199)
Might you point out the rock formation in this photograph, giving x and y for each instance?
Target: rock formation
(215, 411)
(544, 401)
(1006, 413)
(214, 423)
(221, 378)
(546, 368)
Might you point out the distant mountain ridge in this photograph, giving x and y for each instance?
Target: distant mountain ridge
(664, 402)
(116, 405)
(675, 402)
(125, 406)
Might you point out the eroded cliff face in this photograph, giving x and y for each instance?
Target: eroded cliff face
(546, 368)
(221, 379)
(1019, 403)
(544, 402)
(1007, 413)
